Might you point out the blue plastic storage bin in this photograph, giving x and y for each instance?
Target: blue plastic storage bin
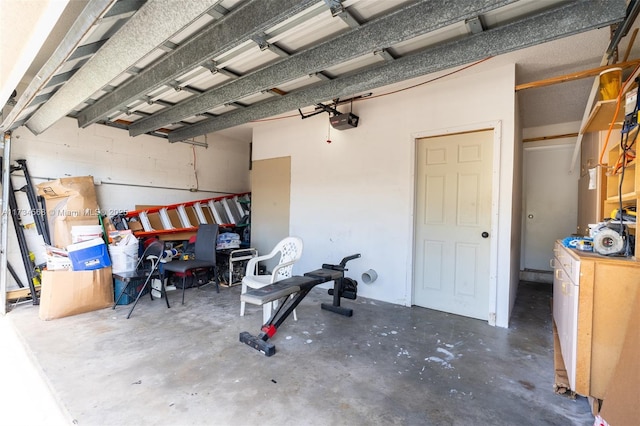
(89, 255)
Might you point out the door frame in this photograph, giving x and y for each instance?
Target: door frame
(496, 126)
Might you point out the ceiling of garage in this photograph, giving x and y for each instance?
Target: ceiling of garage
(181, 69)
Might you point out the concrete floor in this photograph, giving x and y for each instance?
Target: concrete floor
(25, 398)
(385, 365)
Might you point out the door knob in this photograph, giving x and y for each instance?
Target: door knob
(485, 234)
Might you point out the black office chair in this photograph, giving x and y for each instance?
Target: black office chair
(148, 267)
(205, 256)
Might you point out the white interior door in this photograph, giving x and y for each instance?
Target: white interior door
(453, 223)
(550, 202)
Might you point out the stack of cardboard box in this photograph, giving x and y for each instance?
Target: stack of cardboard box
(89, 286)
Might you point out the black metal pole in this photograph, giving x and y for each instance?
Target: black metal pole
(43, 206)
(14, 275)
(39, 216)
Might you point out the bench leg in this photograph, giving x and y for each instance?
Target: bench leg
(266, 312)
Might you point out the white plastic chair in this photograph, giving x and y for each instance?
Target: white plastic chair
(290, 251)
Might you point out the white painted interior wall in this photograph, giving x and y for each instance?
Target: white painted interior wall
(144, 170)
(355, 195)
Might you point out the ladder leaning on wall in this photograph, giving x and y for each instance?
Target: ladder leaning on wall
(9, 207)
(164, 221)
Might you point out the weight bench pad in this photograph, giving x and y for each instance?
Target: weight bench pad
(278, 290)
(325, 274)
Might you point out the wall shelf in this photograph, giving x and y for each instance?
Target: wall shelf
(602, 115)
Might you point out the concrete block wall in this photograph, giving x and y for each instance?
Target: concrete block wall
(144, 170)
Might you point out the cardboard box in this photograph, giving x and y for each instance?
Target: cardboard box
(66, 293)
(70, 202)
(89, 255)
(58, 263)
(561, 379)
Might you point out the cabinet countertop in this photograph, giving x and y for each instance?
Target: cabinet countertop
(588, 255)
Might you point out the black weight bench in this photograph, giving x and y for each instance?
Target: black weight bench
(299, 287)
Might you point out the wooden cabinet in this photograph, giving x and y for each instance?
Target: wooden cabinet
(593, 298)
(566, 280)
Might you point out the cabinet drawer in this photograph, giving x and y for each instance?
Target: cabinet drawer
(565, 262)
